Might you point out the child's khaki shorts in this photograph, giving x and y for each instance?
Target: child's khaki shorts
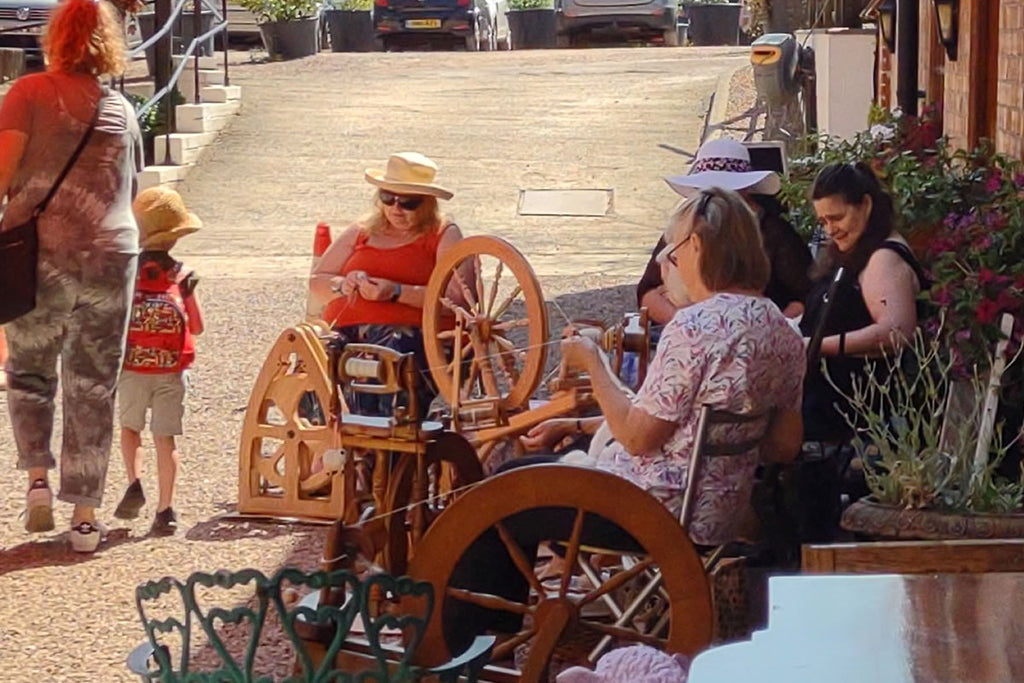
(163, 394)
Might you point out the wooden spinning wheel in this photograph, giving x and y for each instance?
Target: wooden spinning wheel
(284, 438)
(659, 594)
(494, 354)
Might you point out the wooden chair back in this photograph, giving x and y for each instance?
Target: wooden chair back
(708, 447)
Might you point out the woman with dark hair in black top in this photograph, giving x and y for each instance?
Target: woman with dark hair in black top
(872, 314)
(875, 303)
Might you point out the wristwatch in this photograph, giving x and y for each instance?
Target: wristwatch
(398, 292)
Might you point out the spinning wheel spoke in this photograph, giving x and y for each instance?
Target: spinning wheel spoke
(516, 553)
(461, 357)
(450, 334)
(500, 311)
(456, 308)
(474, 375)
(471, 300)
(624, 633)
(507, 648)
(512, 324)
(617, 581)
(488, 601)
(502, 364)
(572, 553)
(478, 276)
(494, 289)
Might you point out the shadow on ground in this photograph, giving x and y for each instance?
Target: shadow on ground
(56, 552)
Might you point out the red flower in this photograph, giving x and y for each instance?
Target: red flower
(987, 311)
(985, 277)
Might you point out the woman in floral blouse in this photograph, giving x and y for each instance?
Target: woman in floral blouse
(731, 349)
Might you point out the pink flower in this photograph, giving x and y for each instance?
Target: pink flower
(987, 311)
(942, 296)
(995, 181)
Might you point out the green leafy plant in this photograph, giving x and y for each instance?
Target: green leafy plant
(917, 453)
(281, 10)
(531, 4)
(351, 5)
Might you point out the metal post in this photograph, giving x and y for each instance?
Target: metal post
(907, 17)
(197, 30)
(162, 48)
(168, 118)
(224, 39)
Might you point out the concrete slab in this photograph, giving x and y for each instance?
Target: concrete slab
(565, 202)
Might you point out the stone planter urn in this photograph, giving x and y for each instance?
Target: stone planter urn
(350, 30)
(887, 523)
(533, 28)
(291, 39)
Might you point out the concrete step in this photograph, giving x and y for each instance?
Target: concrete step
(185, 148)
(140, 88)
(162, 175)
(214, 61)
(208, 117)
(207, 78)
(221, 93)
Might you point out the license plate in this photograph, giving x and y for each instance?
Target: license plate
(423, 23)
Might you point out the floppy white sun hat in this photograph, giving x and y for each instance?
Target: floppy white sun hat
(724, 163)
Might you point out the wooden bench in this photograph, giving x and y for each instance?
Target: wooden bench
(168, 655)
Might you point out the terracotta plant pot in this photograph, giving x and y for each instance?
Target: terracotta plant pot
(885, 522)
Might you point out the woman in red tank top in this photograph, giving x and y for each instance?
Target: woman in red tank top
(374, 276)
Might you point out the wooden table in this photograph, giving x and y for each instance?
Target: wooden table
(956, 628)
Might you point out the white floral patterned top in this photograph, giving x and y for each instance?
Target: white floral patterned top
(732, 352)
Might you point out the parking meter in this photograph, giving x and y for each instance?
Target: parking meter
(776, 60)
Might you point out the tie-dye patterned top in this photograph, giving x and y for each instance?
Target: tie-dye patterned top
(735, 353)
(91, 214)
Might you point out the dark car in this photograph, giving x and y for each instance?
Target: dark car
(477, 24)
(22, 22)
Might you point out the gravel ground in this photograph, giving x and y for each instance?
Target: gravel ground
(496, 123)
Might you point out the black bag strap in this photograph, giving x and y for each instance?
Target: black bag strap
(74, 157)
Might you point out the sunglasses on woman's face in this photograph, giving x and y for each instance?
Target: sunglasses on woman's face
(409, 203)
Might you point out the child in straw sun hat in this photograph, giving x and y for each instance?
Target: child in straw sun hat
(165, 318)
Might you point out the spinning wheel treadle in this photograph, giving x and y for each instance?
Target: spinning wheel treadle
(658, 566)
(496, 351)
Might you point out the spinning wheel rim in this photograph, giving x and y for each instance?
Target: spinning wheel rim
(635, 511)
(434, 314)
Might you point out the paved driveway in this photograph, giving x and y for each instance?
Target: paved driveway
(496, 123)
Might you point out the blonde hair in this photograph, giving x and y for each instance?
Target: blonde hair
(427, 216)
(85, 36)
(732, 252)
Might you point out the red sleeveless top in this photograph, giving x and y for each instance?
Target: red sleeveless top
(409, 264)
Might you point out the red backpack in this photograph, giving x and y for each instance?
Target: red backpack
(159, 340)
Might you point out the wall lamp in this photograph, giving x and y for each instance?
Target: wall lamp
(947, 12)
(887, 22)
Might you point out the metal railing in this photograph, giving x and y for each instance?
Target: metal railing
(165, 89)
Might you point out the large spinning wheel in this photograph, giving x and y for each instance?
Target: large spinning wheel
(654, 590)
(493, 355)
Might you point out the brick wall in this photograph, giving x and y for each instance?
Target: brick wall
(1010, 110)
(956, 103)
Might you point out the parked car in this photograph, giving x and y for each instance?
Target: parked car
(22, 22)
(478, 24)
(647, 18)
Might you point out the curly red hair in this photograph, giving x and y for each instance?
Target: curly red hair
(85, 36)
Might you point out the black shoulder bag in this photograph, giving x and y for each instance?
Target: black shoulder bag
(19, 247)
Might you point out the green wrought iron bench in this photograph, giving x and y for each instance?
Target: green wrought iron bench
(366, 657)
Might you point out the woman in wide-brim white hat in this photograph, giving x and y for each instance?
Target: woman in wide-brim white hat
(726, 164)
(373, 278)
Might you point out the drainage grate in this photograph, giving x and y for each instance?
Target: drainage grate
(565, 202)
